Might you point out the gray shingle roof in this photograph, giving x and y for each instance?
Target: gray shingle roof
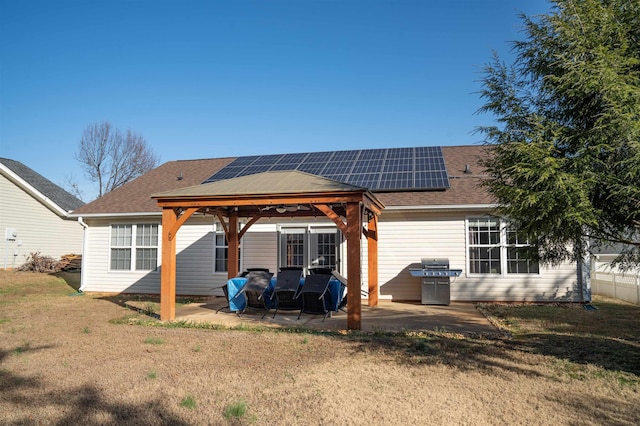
(135, 196)
(56, 194)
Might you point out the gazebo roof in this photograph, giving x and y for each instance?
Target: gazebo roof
(267, 183)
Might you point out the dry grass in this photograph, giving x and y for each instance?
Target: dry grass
(68, 359)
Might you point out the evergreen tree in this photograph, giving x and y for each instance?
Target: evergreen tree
(564, 161)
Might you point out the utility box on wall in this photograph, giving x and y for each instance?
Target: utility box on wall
(10, 234)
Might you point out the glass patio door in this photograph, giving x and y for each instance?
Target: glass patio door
(308, 248)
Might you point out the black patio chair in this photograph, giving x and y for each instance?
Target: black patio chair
(257, 292)
(246, 272)
(319, 270)
(285, 294)
(315, 295)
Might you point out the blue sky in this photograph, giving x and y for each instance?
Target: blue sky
(202, 79)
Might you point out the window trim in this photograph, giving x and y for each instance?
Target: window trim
(503, 246)
(134, 247)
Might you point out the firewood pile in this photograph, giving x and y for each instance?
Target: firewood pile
(39, 263)
(70, 262)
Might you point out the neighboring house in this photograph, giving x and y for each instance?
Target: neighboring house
(34, 216)
(439, 212)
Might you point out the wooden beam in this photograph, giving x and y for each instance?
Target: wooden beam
(233, 243)
(269, 200)
(246, 227)
(372, 259)
(168, 269)
(182, 218)
(224, 225)
(354, 300)
(328, 211)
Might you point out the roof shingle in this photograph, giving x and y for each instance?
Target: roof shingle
(65, 200)
(135, 197)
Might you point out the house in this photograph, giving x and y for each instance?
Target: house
(34, 216)
(432, 207)
(454, 221)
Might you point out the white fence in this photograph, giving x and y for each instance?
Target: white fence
(616, 285)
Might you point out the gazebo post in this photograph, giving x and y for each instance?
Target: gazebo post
(233, 243)
(372, 256)
(168, 268)
(354, 302)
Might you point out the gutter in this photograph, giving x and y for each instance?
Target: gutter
(84, 250)
(433, 207)
(110, 215)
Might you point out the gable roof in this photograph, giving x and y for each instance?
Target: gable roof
(39, 186)
(135, 196)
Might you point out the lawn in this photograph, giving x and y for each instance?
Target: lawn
(68, 358)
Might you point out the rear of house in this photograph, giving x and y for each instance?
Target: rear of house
(123, 244)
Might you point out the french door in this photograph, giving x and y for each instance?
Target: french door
(309, 247)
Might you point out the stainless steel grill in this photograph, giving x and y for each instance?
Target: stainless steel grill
(436, 283)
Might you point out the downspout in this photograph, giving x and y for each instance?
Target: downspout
(84, 250)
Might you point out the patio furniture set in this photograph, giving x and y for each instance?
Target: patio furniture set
(258, 289)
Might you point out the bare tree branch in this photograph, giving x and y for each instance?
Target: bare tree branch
(112, 159)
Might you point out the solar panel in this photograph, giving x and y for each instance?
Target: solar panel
(380, 169)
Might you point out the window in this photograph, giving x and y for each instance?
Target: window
(293, 242)
(494, 248)
(323, 248)
(134, 245)
(484, 246)
(313, 247)
(518, 260)
(221, 250)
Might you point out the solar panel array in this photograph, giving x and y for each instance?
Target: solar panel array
(386, 169)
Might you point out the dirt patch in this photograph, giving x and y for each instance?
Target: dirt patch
(67, 359)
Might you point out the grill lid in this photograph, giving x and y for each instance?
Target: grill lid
(435, 268)
(434, 263)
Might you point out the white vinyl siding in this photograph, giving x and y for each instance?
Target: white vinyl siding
(404, 238)
(194, 257)
(39, 228)
(260, 246)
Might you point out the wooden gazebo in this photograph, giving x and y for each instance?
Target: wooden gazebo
(274, 194)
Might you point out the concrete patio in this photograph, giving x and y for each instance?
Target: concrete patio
(388, 316)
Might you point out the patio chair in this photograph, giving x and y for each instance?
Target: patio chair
(285, 294)
(257, 292)
(225, 291)
(342, 297)
(315, 295)
(319, 270)
(246, 272)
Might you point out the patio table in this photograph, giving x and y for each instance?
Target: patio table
(237, 302)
